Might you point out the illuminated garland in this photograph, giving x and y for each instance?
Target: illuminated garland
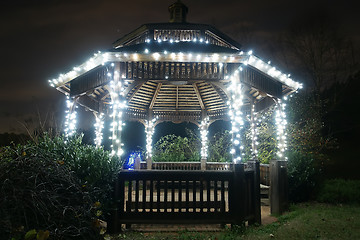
(240, 57)
(70, 118)
(99, 125)
(204, 139)
(149, 130)
(280, 120)
(254, 132)
(236, 116)
(118, 104)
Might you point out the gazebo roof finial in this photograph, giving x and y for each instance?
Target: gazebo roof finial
(178, 12)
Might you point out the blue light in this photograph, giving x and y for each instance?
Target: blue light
(129, 164)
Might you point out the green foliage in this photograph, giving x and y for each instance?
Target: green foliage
(95, 168)
(303, 175)
(172, 148)
(219, 147)
(337, 191)
(266, 138)
(307, 132)
(56, 185)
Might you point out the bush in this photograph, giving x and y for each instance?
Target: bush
(339, 191)
(303, 176)
(56, 186)
(172, 148)
(93, 166)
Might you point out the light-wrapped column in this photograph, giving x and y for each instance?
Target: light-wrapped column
(280, 119)
(70, 118)
(118, 104)
(99, 125)
(236, 116)
(149, 130)
(204, 138)
(254, 133)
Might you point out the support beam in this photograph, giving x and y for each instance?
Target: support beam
(199, 96)
(158, 87)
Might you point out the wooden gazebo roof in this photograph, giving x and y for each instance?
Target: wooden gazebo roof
(175, 71)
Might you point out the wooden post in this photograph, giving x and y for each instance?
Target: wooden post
(237, 204)
(255, 166)
(137, 164)
(113, 225)
(279, 201)
(148, 163)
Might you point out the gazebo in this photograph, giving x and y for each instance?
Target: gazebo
(176, 71)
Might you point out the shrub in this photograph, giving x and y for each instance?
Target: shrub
(55, 185)
(38, 192)
(219, 147)
(93, 166)
(339, 191)
(303, 176)
(172, 148)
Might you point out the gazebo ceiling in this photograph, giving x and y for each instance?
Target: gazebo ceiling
(175, 71)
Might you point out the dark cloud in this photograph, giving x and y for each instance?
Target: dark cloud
(41, 39)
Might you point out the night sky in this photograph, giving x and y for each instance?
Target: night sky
(42, 38)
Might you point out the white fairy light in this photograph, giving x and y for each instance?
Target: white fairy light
(70, 118)
(99, 125)
(149, 130)
(118, 104)
(204, 137)
(280, 120)
(236, 116)
(254, 132)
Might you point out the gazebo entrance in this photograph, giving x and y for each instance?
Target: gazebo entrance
(180, 71)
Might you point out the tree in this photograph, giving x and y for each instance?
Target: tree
(321, 51)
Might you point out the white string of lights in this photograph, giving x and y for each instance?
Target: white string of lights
(70, 118)
(236, 116)
(254, 132)
(100, 58)
(149, 130)
(280, 120)
(204, 137)
(118, 104)
(99, 125)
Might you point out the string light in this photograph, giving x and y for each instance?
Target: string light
(236, 116)
(204, 137)
(99, 125)
(280, 120)
(254, 132)
(149, 130)
(118, 104)
(70, 118)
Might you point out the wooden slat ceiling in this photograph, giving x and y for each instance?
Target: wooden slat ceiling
(165, 96)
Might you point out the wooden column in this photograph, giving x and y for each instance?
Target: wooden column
(279, 189)
(255, 166)
(204, 141)
(237, 203)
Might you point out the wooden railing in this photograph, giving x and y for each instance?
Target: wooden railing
(163, 196)
(218, 166)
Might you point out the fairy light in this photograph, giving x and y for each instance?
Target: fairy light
(149, 130)
(272, 71)
(118, 104)
(70, 118)
(280, 120)
(254, 132)
(99, 125)
(204, 137)
(236, 116)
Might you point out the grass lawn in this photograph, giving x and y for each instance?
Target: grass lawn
(303, 221)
